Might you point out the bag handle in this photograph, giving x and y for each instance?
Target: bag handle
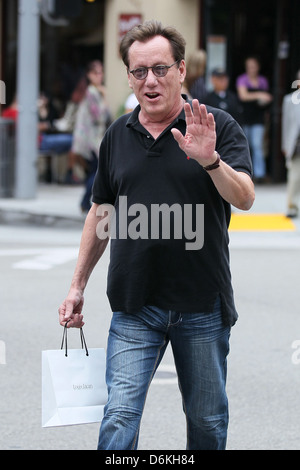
(65, 340)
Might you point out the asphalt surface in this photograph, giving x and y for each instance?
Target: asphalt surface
(39, 242)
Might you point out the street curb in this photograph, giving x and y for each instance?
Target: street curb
(23, 217)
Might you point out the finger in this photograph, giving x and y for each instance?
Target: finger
(75, 322)
(189, 118)
(211, 121)
(66, 312)
(203, 114)
(207, 119)
(196, 112)
(69, 310)
(178, 137)
(62, 312)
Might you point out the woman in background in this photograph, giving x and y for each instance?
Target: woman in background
(92, 119)
(253, 92)
(194, 84)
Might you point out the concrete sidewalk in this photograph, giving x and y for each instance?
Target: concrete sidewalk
(54, 203)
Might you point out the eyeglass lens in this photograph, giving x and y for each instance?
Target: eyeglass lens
(158, 70)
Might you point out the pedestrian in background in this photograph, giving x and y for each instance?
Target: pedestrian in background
(291, 147)
(223, 98)
(253, 91)
(160, 289)
(194, 84)
(92, 119)
(51, 140)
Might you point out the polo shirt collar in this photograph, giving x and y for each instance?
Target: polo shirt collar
(133, 119)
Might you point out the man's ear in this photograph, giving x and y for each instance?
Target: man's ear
(129, 76)
(182, 69)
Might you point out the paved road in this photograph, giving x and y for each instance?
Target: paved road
(263, 382)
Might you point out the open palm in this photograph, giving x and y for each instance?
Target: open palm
(199, 141)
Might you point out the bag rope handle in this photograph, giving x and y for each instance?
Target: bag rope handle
(65, 340)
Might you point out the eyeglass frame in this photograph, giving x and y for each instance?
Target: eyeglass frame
(166, 67)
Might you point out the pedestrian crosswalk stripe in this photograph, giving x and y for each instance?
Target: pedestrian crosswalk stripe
(41, 259)
(2, 353)
(261, 223)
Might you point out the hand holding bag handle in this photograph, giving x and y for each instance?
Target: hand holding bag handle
(65, 341)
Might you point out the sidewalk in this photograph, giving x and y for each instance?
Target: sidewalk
(267, 217)
(54, 203)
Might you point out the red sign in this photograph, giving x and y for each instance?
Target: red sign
(126, 23)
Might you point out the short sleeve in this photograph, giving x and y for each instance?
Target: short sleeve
(241, 81)
(232, 144)
(102, 189)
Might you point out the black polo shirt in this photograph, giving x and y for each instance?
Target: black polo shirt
(163, 266)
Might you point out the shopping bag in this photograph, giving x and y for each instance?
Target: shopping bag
(73, 385)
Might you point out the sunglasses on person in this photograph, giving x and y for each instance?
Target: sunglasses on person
(159, 71)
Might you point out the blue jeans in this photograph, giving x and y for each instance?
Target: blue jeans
(58, 143)
(255, 136)
(136, 345)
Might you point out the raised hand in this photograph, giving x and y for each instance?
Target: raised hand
(199, 141)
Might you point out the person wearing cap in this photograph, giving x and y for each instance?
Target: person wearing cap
(223, 98)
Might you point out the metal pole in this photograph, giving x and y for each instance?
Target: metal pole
(27, 95)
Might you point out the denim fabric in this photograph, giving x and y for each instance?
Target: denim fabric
(136, 344)
(59, 143)
(255, 136)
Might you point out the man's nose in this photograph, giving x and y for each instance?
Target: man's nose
(151, 79)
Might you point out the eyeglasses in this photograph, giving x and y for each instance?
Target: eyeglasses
(159, 71)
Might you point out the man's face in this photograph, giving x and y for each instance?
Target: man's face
(158, 97)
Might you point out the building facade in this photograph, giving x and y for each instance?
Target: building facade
(228, 30)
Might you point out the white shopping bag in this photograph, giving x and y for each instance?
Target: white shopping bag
(73, 385)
